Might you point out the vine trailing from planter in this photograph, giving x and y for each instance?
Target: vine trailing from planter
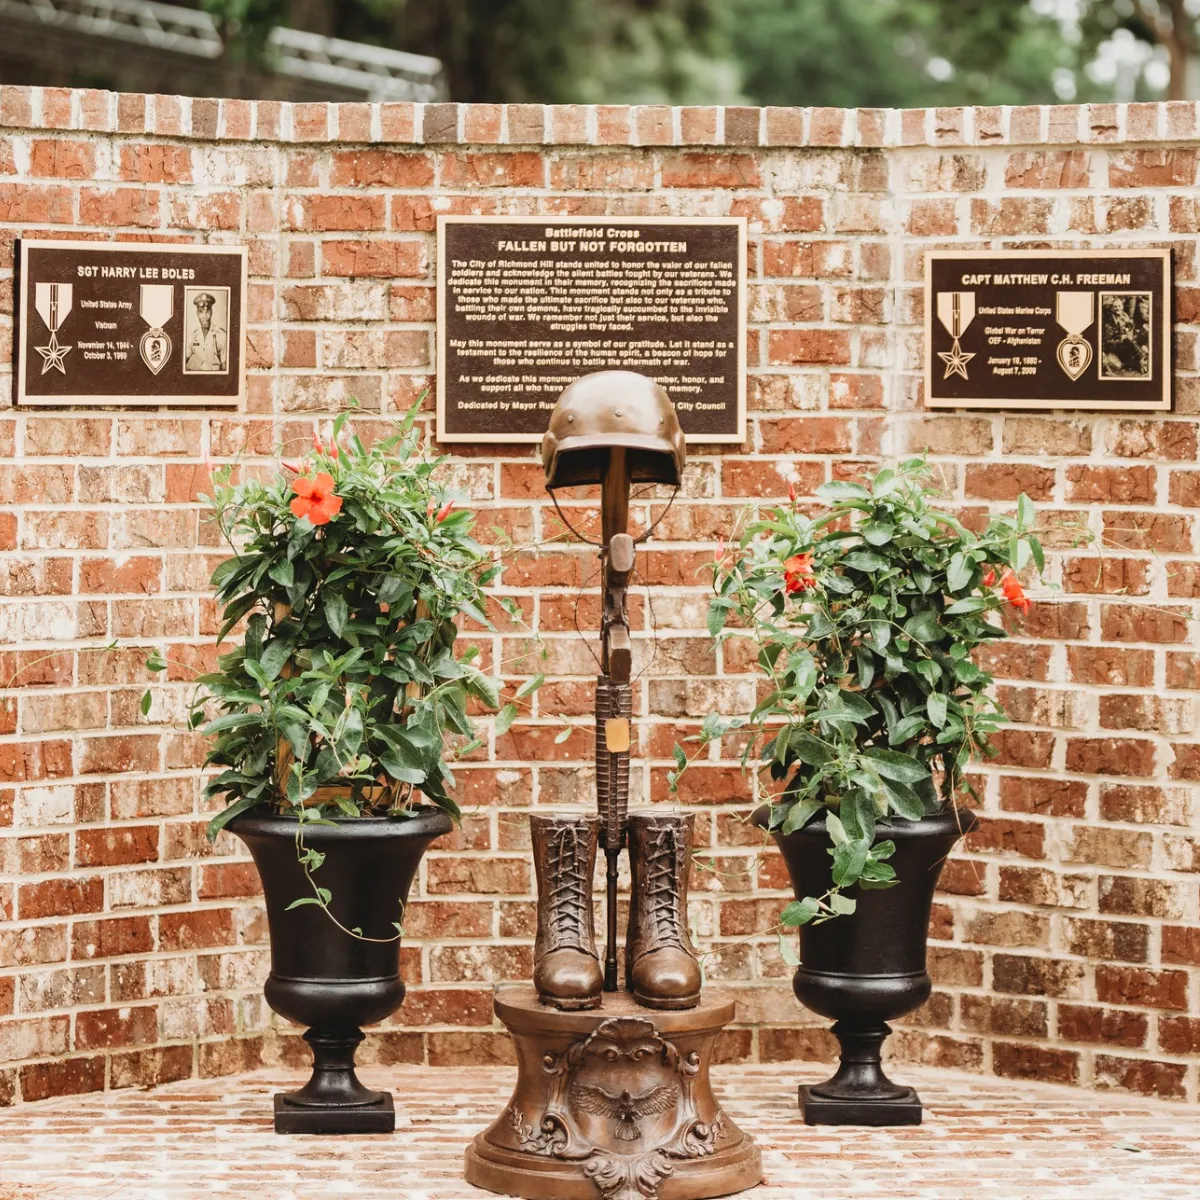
(346, 697)
(866, 621)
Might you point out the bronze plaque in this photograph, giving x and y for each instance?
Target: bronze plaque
(103, 323)
(1083, 329)
(526, 305)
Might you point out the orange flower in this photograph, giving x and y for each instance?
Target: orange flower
(315, 499)
(292, 466)
(317, 442)
(444, 511)
(989, 577)
(792, 492)
(798, 573)
(1010, 585)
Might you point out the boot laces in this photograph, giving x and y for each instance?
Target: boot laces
(570, 895)
(662, 885)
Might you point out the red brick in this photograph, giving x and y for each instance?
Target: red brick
(1148, 1078)
(1141, 985)
(1013, 1060)
(381, 168)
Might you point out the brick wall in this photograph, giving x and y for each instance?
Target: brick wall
(1066, 943)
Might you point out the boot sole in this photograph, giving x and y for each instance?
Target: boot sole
(668, 1005)
(570, 1005)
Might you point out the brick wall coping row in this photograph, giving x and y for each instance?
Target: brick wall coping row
(733, 127)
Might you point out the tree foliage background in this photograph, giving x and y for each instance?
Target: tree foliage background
(821, 52)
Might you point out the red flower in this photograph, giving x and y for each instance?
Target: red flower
(989, 577)
(315, 499)
(444, 511)
(294, 467)
(317, 442)
(1010, 585)
(792, 492)
(798, 573)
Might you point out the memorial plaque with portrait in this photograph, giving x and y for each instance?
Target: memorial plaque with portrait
(526, 305)
(103, 323)
(1070, 329)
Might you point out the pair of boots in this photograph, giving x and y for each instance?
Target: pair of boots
(661, 969)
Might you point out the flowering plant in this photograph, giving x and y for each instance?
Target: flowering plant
(349, 572)
(866, 620)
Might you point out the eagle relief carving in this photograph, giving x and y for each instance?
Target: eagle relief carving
(624, 1110)
(608, 1107)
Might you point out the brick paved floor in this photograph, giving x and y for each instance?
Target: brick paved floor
(981, 1138)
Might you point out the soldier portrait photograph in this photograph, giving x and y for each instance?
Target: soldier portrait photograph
(206, 330)
(1125, 335)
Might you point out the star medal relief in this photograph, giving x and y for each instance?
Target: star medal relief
(1074, 311)
(956, 310)
(156, 306)
(53, 304)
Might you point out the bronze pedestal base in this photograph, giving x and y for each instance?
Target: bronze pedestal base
(612, 1104)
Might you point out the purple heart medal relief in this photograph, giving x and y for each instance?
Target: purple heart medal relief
(157, 307)
(1075, 312)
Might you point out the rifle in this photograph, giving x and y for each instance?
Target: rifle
(614, 693)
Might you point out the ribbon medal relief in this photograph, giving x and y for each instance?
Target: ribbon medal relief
(1075, 312)
(956, 310)
(156, 306)
(53, 304)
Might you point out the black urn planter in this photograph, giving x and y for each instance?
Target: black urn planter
(867, 968)
(326, 978)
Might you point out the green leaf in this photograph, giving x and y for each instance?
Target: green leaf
(147, 700)
(336, 612)
(504, 719)
(808, 749)
(877, 533)
(835, 829)
(959, 571)
(240, 805)
(273, 658)
(935, 705)
(906, 728)
(969, 604)
(799, 912)
(840, 489)
(800, 813)
(718, 610)
(787, 952)
(904, 801)
(530, 686)
(563, 734)
(302, 902)
(849, 858)
(283, 572)
(892, 764)
(923, 627)
(1025, 514)
(843, 906)
(865, 560)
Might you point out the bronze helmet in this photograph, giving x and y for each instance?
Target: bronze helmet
(613, 408)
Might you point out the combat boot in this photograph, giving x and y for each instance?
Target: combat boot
(661, 968)
(566, 971)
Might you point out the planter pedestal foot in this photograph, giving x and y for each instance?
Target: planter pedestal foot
(859, 1093)
(613, 1103)
(333, 1100)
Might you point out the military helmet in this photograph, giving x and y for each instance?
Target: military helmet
(613, 408)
